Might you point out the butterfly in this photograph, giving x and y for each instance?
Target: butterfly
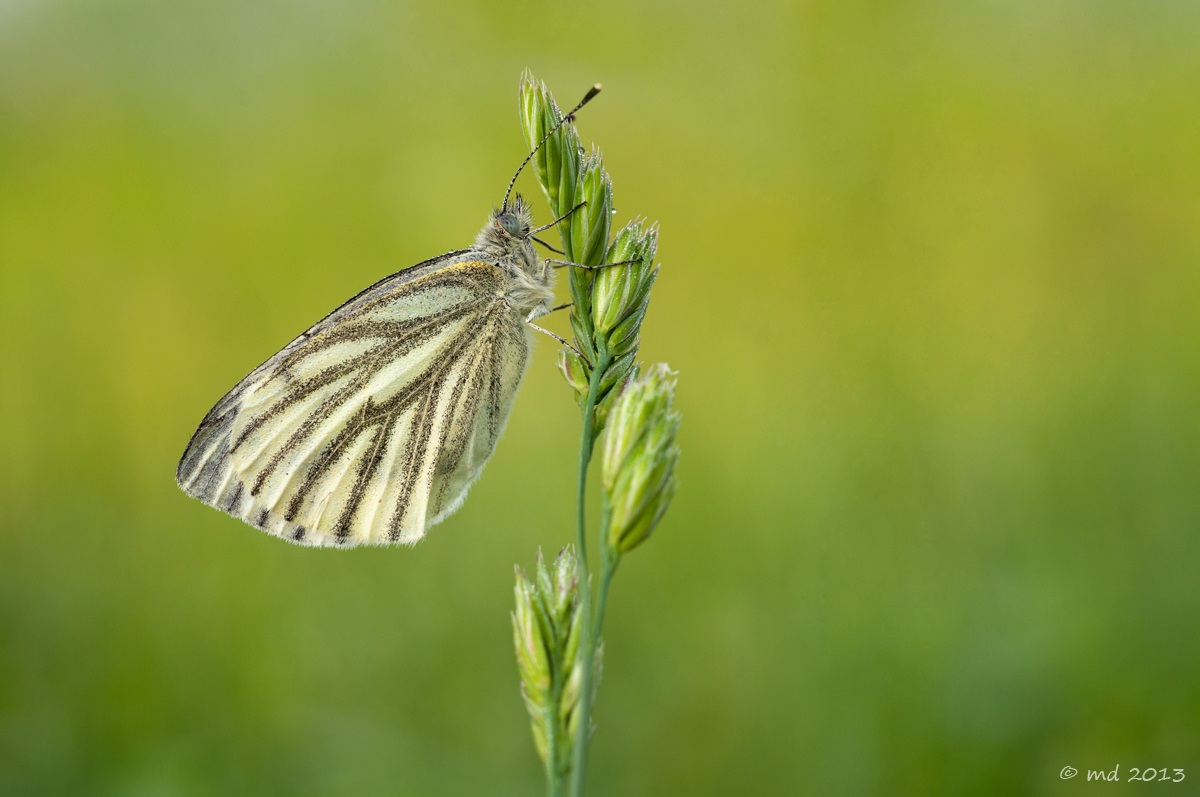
(370, 427)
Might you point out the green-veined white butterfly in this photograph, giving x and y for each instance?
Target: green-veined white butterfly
(370, 427)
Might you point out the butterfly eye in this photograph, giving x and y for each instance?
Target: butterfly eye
(510, 224)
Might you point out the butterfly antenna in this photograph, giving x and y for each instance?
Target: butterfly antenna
(568, 117)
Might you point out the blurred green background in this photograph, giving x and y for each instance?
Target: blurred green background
(931, 284)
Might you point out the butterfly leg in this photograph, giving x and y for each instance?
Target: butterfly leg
(545, 227)
(548, 246)
(561, 340)
(565, 263)
(538, 312)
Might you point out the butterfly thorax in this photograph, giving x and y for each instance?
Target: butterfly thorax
(504, 240)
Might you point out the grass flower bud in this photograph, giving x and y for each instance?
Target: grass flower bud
(546, 624)
(622, 292)
(639, 458)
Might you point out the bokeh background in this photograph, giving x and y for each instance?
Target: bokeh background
(930, 279)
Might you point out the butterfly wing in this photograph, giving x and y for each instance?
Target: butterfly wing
(370, 427)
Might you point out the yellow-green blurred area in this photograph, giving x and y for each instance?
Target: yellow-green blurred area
(931, 281)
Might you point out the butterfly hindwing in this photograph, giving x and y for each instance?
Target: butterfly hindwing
(371, 426)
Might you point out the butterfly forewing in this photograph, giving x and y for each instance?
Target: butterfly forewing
(371, 426)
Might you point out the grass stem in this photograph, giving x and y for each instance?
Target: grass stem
(587, 636)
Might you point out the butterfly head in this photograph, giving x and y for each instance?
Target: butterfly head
(514, 220)
(506, 235)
